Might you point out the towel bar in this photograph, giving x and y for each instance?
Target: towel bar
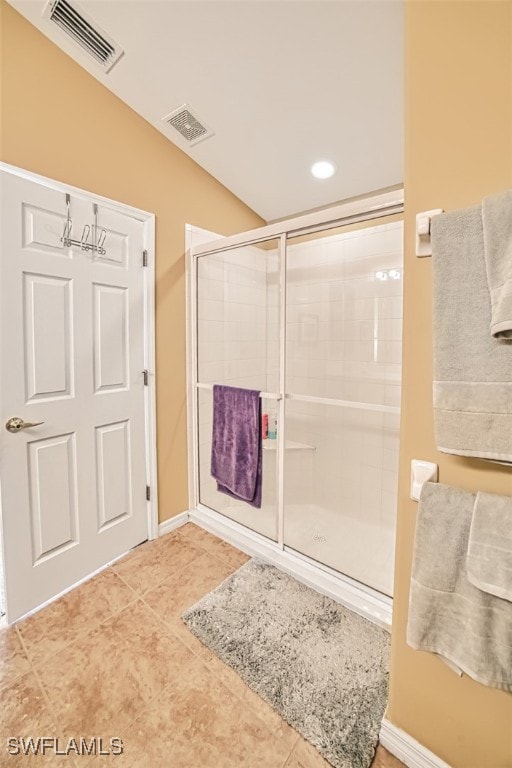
(423, 241)
(353, 404)
(265, 395)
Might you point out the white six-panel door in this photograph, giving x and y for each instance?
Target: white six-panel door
(72, 357)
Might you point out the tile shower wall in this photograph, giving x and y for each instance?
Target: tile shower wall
(272, 350)
(232, 322)
(344, 321)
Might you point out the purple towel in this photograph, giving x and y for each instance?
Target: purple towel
(236, 443)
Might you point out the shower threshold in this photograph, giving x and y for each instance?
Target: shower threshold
(360, 598)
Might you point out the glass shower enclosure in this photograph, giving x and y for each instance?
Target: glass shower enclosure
(312, 317)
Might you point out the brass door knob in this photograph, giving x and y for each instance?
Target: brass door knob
(15, 424)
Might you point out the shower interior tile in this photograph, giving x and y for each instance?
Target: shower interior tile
(211, 310)
(372, 392)
(212, 352)
(211, 289)
(210, 373)
(374, 243)
(215, 269)
(373, 457)
(389, 509)
(353, 246)
(392, 306)
(389, 481)
(394, 237)
(390, 459)
(393, 329)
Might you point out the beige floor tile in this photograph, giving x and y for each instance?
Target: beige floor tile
(60, 623)
(162, 601)
(105, 679)
(182, 590)
(197, 723)
(25, 715)
(48, 759)
(24, 711)
(384, 759)
(216, 546)
(305, 755)
(176, 594)
(31, 751)
(229, 554)
(180, 631)
(95, 755)
(13, 659)
(250, 700)
(199, 535)
(150, 564)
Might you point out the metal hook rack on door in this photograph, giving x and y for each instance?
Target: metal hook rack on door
(84, 244)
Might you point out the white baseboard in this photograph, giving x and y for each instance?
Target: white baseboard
(407, 749)
(174, 522)
(364, 601)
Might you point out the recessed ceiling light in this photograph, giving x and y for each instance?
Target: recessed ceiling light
(323, 169)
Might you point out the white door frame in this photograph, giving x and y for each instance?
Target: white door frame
(148, 277)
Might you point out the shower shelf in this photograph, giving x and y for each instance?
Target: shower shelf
(290, 445)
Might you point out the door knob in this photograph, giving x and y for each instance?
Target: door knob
(15, 424)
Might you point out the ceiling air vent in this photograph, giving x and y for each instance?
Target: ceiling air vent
(188, 125)
(82, 29)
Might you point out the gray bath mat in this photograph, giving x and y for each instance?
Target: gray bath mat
(322, 667)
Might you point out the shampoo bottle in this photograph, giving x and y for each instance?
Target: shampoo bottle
(272, 426)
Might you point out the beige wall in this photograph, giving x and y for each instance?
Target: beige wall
(59, 121)
(458, 148)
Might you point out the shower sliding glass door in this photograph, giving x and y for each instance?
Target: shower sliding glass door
(313, 321)
(343, 374)
(238, 345)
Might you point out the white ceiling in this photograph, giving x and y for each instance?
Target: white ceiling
(282, 84)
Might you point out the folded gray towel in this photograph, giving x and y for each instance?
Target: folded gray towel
(472, 370)
(489, 563)
(497, 224)
(447, 614)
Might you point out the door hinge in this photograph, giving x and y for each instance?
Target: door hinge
(145, 373)
(144, 258)
(148, 493)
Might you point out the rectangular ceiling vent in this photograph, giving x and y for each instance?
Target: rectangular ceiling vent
(84, 31)
(188, 125)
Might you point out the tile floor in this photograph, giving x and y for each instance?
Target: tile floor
(113, 659)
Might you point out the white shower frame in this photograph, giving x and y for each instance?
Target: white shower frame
(363, 599)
